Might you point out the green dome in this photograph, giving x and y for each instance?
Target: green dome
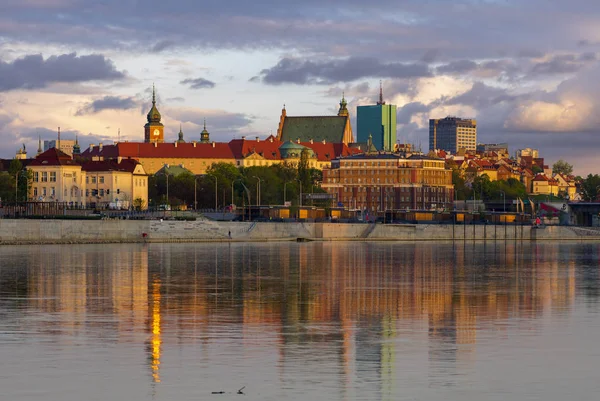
(293, 150)
(153, 114)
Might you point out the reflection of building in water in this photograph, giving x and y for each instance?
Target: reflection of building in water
(75, 282)
(155, 330)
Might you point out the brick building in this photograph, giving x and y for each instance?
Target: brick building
(384, 181)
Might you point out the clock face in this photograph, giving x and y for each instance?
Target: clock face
(156, 132)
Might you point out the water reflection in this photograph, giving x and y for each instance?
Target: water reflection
(327, 320)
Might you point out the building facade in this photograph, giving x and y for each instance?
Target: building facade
(384, 181)
(115, 184)
(453, 133)
(379, 121)
(56, 177)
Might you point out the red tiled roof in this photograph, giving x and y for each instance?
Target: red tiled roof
(127, 165)
(53, 157)
(540, 177)
(328, 151)
(269, 149)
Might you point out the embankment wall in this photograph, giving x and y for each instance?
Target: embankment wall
(23, 231)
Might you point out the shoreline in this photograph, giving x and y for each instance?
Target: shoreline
(41, 232)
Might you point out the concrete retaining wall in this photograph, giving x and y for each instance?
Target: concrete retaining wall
(98, 231)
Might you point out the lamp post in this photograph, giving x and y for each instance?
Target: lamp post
(195, 183)
(216, 190)
(284, 193)
(258, 190)
(504, 200)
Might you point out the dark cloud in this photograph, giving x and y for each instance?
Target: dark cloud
(481, 96)
(304, 71)
(457, 67)
(430, 56)
(162, 45)
(32, 71)
(108, 103)
(198, 83)
(176, 99)
(560, 64)
(405, 113)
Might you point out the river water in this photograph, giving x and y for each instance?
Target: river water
(300, 321)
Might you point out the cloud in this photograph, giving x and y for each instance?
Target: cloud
(162, 45)
(33, 71)
(405, 113)
(198, 83)
(217, 119)
(457, 67)
(108, 103)
(304, 71)
(176, 99)
(559, 64)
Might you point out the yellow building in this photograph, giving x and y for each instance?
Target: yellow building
(543, 185)
(56, 177)
(116, 184)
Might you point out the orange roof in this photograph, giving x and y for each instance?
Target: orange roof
(327, 151)
(53, 157)
(269, 148)
(540, 177)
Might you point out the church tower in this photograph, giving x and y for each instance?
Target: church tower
(343, 111)
(204, 135)
(154, 130)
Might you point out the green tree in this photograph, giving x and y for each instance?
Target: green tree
(536, 169)
(589, 188)
(562, 167)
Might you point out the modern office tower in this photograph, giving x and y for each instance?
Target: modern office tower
(379, 121)
(452, 133)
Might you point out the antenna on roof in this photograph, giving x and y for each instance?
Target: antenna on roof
(58, 144)
(119, 135)
(380, 102)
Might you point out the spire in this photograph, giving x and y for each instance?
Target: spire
(180, 136)
(343, 111)
(40, 150)
(380, 102)
(58, 143)
(153, 114)
(76, 148)
(204, 135)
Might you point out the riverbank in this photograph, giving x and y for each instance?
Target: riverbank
(24, 231)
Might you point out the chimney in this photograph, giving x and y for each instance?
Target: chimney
(298, 140)
(271, 139)
(311, 141)
(214, 144)
(257, 140)
(91, 147)
(119, 158)
(100, 147)
(155, 144)
(324, 141)
(175, 143)
(194, 143)
(243, 137)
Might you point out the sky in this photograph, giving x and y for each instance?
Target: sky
(527, 70)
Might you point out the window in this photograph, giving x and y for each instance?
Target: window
(93, 180)
(35, 193)
(87, 192)
(53, 191)
(101, 179)
(44, 176)
(44, 191)
(87, 180)
(36, 176)
(102, 192)
(118, 191)
(107, 191)
(53, 176)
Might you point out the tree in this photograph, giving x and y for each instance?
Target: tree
(562, 167)
(536, 169)
(589, 188)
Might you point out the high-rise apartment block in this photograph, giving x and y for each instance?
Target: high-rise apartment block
(378, 121)
(452, 133)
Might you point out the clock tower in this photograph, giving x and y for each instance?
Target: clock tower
(154, 130)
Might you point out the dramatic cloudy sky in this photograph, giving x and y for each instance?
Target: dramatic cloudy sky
(528, 70)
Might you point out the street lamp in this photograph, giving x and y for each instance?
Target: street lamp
(284, 192)
(503, 200)
(258, 190)
(216, 190)
(195, 183)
